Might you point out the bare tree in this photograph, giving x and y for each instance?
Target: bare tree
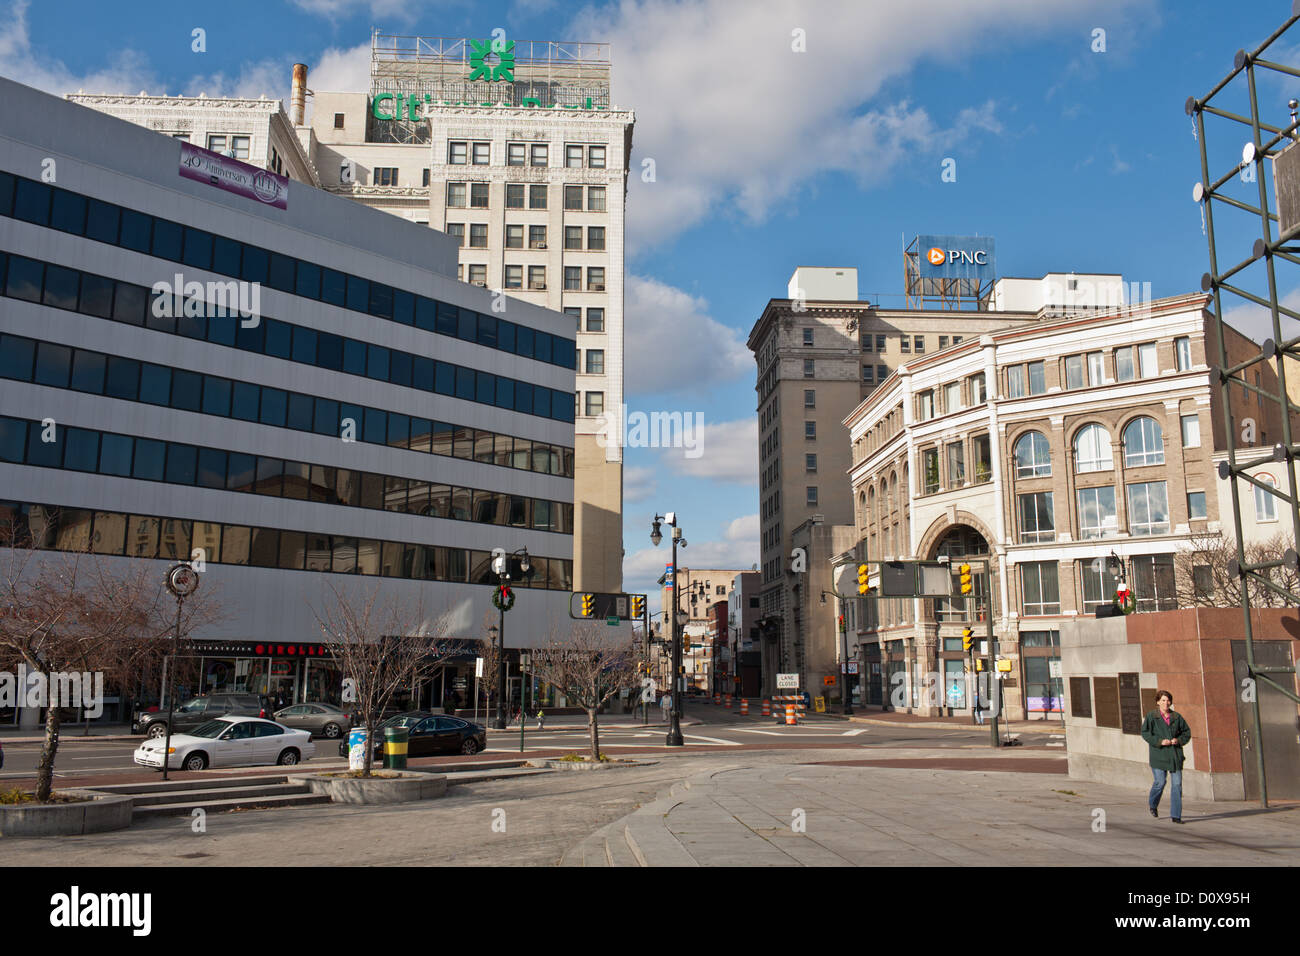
(487, 648)
(589, 669)
(1203, 576)
(382, 647)
(71, 612)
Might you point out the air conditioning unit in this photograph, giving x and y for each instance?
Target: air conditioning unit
(481, 283)
(540, 245)
(537, 286)
(599, 287)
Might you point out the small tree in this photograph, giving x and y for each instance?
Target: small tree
(487, 648)
(589, 669)
(66, 612)
(382, 648)
(1203, 579)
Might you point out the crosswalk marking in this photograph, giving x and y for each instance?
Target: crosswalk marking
(853, 733)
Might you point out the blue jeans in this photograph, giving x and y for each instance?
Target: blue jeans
(1158, 789)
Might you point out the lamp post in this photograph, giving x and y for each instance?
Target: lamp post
(502, 565)
(675, 725)
(182, 581)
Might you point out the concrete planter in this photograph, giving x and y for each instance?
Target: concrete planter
(377, 790)
(99, 813)
(588, 764)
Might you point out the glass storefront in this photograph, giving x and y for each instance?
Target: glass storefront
(1044, 693)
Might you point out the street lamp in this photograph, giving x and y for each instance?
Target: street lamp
(504, 599)
(656, 536)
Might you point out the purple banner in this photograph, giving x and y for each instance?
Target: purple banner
(205, 166)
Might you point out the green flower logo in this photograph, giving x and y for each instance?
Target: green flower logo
(480, 69)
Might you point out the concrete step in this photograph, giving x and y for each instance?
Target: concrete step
(618, 849)
(235, 803)
(202, 783)
(218, 793)
(504, 773)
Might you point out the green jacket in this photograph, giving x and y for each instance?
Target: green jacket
(1154, 730)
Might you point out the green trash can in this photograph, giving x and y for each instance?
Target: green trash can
(395, 740)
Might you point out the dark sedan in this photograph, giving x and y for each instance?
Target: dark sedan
(429, 735)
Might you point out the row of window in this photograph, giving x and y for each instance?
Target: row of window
(955, 455)
(62, 288)
(124, 456)
(976, 394)
(1152, 585)
(478, 197)
(1143, 444)
(513, 277)
(1148, 512)
(70, 212)
(62, 366)
(60, 528)
(478, 236)
(576, 156)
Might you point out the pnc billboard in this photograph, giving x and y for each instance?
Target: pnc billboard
(957, 257)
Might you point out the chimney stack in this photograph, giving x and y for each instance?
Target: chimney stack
(298, 98)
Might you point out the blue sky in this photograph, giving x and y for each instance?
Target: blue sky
(767, 158)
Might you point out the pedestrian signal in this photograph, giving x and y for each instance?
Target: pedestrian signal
(964, 571)
(863, 586)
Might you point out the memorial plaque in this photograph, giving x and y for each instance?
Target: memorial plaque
(1105, 701)
(1130, 704)
(1080, 697)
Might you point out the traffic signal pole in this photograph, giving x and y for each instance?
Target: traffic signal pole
(993, 655)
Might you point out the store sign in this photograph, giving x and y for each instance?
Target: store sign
(205, 166)
(957, 257)
(391, 106)
(503, 70)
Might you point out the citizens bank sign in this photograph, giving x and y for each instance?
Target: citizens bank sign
(395, 106)
(956, 257)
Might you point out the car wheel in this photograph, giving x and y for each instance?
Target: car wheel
(333, 731)
(287, 758)
(195, 761)
(156, 730)
(470, 746)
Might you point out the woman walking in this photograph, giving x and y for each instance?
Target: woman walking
(1166, 734)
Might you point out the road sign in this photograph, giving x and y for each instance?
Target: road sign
(1003, 665)
(1053, 668)
(787, 681)
(819, 703)
(478, 667)
(828, 680)
(612, 620)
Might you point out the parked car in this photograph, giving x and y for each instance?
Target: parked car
(200, 710)
(321, 719)
(229, 742)
(430, 734)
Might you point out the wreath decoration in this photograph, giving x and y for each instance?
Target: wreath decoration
(1124, 600)
(503, 599)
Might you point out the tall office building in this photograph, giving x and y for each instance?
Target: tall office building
(819, 352)
(513, 149)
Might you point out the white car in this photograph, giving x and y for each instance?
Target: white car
(229, 742)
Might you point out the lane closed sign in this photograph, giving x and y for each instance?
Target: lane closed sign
(787, 681)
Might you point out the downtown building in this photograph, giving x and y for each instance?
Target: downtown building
(819, 352)
(1071, 454)
(517, 153)
(366, 415)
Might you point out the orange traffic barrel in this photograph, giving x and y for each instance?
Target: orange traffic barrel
(767, 707)
(717, 699)
(790, 718)
(728, 702)
(744, 707)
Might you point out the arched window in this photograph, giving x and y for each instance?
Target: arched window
(1033, 456)
(1143, 443)
(1092, 449)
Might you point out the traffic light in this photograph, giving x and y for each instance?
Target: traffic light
(588, 605)
(863, 586)
(638, 605)
(979, 664)
(967, 638)
(964, 571)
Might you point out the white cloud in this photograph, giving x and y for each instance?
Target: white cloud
(1256, 322)
(400, 10)
(641, 569)
(734, 118)
(729, 452)
(660, 319)
(127, 72)
(638, 484)
(744, 529)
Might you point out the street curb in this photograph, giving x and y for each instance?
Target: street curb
(647, 835)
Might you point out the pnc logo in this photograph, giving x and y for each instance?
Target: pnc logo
(936, 256)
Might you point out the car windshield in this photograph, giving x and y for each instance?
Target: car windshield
(211, 728)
